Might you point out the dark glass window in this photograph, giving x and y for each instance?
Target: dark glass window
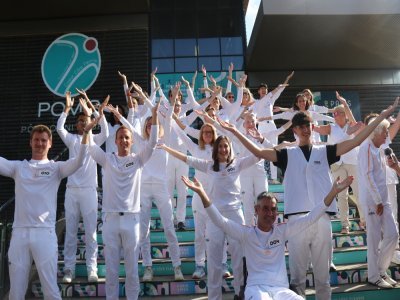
(212, 63)
(231, 46)
(185, 47)
(187, 64)
(236, 60)
(209, 46)
(162, 48)
(163, 65)
(162, 25)
(185, 26)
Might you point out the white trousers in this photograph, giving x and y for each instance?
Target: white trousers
(80, 201)
(317, 241)
(264, 128)
(39, 244)
(158, 193)
(200, 223)
(121, 232)
(252, 182)
(392, 194)
(382, 240)
(263, 292)
(343, 171)
(215, 239)
(175, 170)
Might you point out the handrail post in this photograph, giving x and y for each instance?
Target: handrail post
(2, 259)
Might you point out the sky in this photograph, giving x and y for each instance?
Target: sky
(250, 17)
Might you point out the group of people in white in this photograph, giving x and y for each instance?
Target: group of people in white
(147, 158)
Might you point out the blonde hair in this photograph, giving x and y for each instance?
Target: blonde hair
(378, 129)
(202, 144)
(144, 131)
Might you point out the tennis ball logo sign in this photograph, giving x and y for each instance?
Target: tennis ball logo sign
(71, 61)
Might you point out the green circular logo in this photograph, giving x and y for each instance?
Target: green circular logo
(71, 61)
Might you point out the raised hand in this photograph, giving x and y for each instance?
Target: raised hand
(103, 105)
(194, 79)
(212, 79)
(185, 82)
(153, 74)
(194, 184)
(203, 69)
(86, 110)
(227, 126)
(339, 186)
(254, 133)
(69, 102)
(341, 99)
(387, 112)
(230, 70)
(83, 94)
(123, 77)
(288, 78)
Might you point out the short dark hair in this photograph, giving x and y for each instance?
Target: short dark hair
(266, 195)
(301, 118)
(263, 85)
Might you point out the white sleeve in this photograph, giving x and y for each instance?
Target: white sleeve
(319, 117)
(193, 132)
(188, 143)
(199, 164)
(205, 83)
(7, 167)
(101, 137)
(97, 154)
(147, 151)
(301, 224)
(62, 132)
(234, 230)
(71, 165)
(247, 161)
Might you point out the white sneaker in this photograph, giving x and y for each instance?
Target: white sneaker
(389, 279)
(396, 257)
(199, 272)
(178, 274)
(382, 284)
(92, 277)
(148, 274)
(68, 276)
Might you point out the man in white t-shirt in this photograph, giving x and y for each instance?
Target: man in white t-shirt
(264, 244)
(34, 237)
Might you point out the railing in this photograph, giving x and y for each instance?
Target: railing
(4, 236)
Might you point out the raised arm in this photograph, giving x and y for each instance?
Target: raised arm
(174, 153)
(268, 153)
(347, 145)
(347, 109)
(394, 128)
(233, 229)
(71, 165)
(62, 132)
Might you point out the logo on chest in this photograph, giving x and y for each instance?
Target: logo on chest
(273, 243)
(44, 173)
(130, 164)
